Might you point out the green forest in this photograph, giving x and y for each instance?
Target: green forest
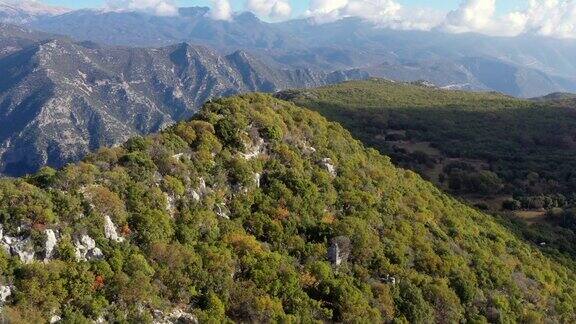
(257, 210)
(509, 156)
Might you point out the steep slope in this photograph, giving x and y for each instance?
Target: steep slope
(14, 38)
(509, 156)
(60, 99)
(257, 210)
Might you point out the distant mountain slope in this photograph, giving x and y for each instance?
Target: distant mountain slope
(556, 96)
(462, 61)
(259, 211)
(59, 99)
(24, 11)
(13, 38)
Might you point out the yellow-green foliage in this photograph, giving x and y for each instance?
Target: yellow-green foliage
(268, 261)
(528, 148)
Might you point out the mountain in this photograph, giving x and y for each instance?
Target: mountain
(472, 74)
(556, 96)
(260, 211)
(141, 29)
(512, 65)
(24, 11)
(512, 157)
(14, 38)
(60, 99)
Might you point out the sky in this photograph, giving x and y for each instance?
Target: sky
(553, 18)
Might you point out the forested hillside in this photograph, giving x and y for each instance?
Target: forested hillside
(257, 210)
(511, 156)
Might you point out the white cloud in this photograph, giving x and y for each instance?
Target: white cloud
(374, 10)
(156, 7)
(471, 16)
(384, 13)
(273, 9)
(554, 18)
(221, 10)
(319, 7)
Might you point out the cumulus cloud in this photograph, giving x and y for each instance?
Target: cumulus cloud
(471, 16)
(555, 18)
(221, 10)
(273, 9)
(156, 7)
(385, 13)
(329, 10)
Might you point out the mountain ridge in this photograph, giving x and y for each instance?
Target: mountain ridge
(60, 99)
(447, 60)
(258, 210)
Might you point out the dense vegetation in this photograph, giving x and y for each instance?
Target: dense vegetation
(231, 217)
(507, 153)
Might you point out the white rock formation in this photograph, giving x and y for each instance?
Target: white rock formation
(329, 166)
(20, 246)
(308, 150)
(110, 230)
(222, 211)
(200, 192)
(257, 179)
(176, 316)
(170, 204)
(339, 250)
(50, 244)
(256, 148)
(195, 195)
(86, 249)
(5, 292)
(202, 188)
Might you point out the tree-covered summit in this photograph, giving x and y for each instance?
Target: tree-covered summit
(258, 210)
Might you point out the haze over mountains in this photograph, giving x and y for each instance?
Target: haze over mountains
(466, 61)
(23, 11)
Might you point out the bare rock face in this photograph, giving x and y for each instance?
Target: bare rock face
(257, 179)
(170, 204)
(86, 249)
(329, 166)
(256, 148)
(5, 292)
(50, 244)
(222, 211)
(177, 316)
(110, 230)
(59, 99)
(20, 246)
(199, 192)
(339, 251)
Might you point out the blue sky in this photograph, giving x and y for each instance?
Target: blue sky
(301, 5)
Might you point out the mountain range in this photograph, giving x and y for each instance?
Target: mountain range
(24, 11)
(511, 65)
(60, 99)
